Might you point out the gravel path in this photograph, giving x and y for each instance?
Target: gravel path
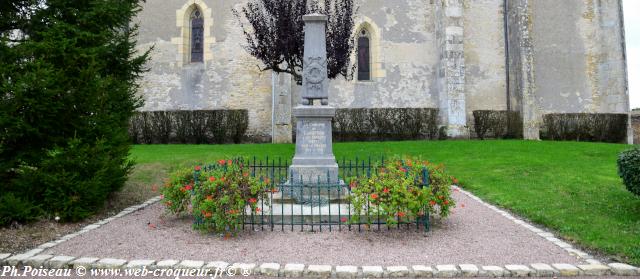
(473, 234)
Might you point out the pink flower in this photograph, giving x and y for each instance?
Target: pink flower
(198, 168)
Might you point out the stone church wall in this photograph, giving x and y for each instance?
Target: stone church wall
(564, 56)
(579, 62)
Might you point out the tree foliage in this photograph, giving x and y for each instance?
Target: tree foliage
(274, 31)
(68, 73)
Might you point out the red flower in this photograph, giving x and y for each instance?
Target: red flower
(221, 162)
(455, 181)
(212, 179)
(229, 162)
(403, 170)
(446, 202)
(209, 197)
(386, 190)
(432, 203)
(258, 209)
(374, 196)
(188, 187)
(352, 184)
(266, 180)
(223, 178)
(401, 214)
(343, 219)
(441, 197)
(208, 214)
(253, 200)
(197, 168)
(245, 174)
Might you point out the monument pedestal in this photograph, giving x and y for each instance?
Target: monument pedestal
(314, 162)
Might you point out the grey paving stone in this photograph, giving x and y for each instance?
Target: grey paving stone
(270, 269)
(447, 270)
(543, 270)
(346, 271)
(138, 264)
(594, 269)
(166, 264)
(593, 261)
(90, 227)
(243, 268)
(469, 270)
(17, 260)
(567, 269)
(546, 234)
(293, 270)
(422, 271)
(398, 271)
(110, 263)
(495, 271)
(37, 260)
(188, 264)
(318, 271)
(70, 236)
(374, 271)
(518, 270)
(3, 257)
(623, 269)
(577, 252)
(59, 262)
(217, 267)
(47, 245)
(85, 262)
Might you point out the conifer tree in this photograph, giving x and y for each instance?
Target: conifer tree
(68, 72)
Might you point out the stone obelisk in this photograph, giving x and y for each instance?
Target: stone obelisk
(314, 161)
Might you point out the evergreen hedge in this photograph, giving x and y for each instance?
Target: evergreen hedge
(497, 124)
(68, 73)
(201, 126)
(629, 169)
(599, 127)
(372, 124)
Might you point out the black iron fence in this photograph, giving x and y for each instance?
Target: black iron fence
(310, 204)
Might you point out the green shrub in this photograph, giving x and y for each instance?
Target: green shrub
(497, 124)
(396, 193)
(600, 127)
(367, 124)
(69, 87)
(202, 126)
(219, 198)
(629, 169)
(16, 209)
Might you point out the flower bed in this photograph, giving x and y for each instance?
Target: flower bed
(402, 190)
(225, 196)
(216, 195)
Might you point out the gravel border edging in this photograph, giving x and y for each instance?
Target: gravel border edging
(34, 258)
(540, 232)
(17, 259)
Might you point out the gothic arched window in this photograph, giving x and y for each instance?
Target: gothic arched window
(364, 55)
(197, 36)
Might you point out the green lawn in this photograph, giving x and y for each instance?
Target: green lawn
(570, 187)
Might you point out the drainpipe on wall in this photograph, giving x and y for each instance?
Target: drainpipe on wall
(274, 81)
(506, 54)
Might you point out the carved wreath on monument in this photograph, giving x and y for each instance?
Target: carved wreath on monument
(315, 73)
